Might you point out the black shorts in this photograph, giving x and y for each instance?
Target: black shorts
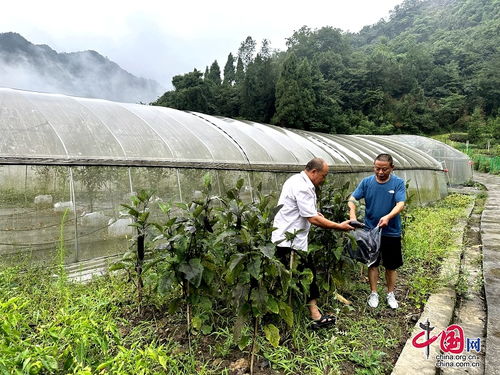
(391, 253)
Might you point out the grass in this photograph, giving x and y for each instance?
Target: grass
(53, 326)
(428, 239)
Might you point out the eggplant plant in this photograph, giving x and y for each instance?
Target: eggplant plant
(257, 280)
(190, 261)
(134, 258)
(328, 245)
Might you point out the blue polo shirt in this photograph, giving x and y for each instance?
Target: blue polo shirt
(380, 199)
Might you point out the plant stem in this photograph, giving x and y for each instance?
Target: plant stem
(254, 339)
(140, 261)
(291, 272)
(188, 316)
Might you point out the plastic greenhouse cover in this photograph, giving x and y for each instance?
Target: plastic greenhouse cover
(56, 129)
(404, 155)
(430, 146)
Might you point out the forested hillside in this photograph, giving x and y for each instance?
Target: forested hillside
(433, 66)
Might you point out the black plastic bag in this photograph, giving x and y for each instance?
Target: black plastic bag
(365, 245)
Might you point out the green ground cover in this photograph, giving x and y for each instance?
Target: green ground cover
(51, 325)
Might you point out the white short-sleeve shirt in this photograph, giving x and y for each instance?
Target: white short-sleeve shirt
(298, 198)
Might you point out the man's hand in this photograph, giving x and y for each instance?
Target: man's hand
(383, 222)
(345, 226)
(322, 222)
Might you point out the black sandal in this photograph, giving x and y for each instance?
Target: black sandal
(324, 321)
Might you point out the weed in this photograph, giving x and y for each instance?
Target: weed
(462, 287)
(370, 363)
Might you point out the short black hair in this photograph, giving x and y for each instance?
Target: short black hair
(385, 157)
(316, 163)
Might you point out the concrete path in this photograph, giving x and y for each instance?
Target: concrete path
(440, 308)
(490, 234)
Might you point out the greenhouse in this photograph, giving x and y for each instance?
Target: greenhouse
(458, 164)
(67, 164)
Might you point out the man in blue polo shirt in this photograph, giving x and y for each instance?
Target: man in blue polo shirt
(384, 194)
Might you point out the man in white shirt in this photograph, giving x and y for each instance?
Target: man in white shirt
(298, 212)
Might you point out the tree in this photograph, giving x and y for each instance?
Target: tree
(191, 93)
(214, 73)
(240, 72)
(489, 85)
(265, 49)
(476, 126)
(229, 72)
(258, 90)
(294, 94)
(306, 42)
(451, 109)
(247, 50)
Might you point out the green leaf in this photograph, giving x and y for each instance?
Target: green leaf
(197, 211)
(50, 363)
(166, 282)
(234, 261)
(224, 235)
(117, 266)
(325, 286)
(307, 278)
(239, 183)
(174, 305)
(143, 217)
(239, 323)
(230, 194)
(182, 206)
(272, 334)
(196, 322)
(254, 267)
(206, 329)
(246, 238)
(268, 250)
(208, 276)
(164, 207)
(338, 252)
(239, 292)
(205, 303)
(105, 364)
(207, 180)
(162, 360)
(193, 271)
(259, 299)
(244, 342)
(272, 305)
(286, 313)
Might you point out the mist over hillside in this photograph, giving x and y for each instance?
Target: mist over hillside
(24, 65)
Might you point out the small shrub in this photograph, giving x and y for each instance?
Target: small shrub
(458, 137)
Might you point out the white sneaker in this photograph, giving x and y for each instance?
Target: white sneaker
(391, 300)
(373, 300)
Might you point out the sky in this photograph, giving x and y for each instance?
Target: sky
(158, 39)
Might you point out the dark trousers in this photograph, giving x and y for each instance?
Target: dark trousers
(306, 261)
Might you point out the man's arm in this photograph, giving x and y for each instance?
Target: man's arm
(384, 220)
(322, 222)
(351, 203)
